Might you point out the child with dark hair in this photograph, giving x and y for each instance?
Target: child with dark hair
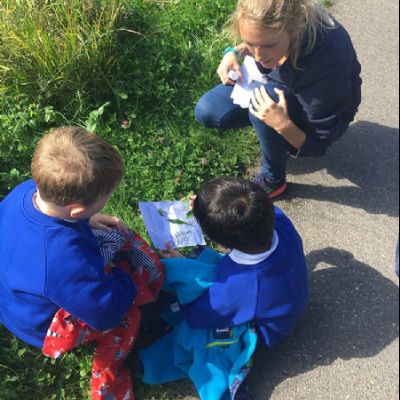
(263, 278)
(258, 290)
(235, 214)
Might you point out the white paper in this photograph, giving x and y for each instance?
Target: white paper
(171, 222)
(252, 78)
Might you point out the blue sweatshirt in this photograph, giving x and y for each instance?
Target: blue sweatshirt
(273, 293)
(48, 263)
(324, 91)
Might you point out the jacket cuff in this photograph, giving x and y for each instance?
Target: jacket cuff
(312, 148)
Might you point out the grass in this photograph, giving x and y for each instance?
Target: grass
(53, 47)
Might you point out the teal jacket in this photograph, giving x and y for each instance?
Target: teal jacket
(216, 360)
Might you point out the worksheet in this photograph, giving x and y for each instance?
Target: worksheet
(252, 78)
(171, 222)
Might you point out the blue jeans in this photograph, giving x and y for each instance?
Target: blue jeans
(216, 110)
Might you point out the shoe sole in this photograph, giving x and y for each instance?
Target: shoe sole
(278, 191)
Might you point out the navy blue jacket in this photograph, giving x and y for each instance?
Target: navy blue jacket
(324, 91)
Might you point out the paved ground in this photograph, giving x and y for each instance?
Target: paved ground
(346, 207)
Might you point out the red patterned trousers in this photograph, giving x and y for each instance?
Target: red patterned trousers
(110, 379)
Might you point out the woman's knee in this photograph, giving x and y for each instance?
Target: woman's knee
(204, 113)
(217, 110)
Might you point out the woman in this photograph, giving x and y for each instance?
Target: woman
(309, 60)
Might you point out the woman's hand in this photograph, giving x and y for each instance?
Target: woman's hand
(170, 252)
(107, 223)
(228, 63)
(276, 116)
(273, 114)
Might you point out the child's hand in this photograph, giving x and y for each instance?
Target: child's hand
(189, 200)
(107, 223)
(170, 252)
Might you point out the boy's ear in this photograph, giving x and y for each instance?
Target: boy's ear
(76, 210)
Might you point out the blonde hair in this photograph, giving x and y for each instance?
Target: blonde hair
(285, 15)
(71, 165)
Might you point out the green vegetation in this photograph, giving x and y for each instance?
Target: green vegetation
(53, 47)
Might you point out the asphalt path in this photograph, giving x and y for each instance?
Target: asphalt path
(346, 207)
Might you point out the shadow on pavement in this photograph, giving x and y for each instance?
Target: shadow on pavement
(353, 313)
(368, 156)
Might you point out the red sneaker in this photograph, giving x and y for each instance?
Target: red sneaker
(273, 189)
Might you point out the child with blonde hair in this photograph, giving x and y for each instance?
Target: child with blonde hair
(56, 293)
